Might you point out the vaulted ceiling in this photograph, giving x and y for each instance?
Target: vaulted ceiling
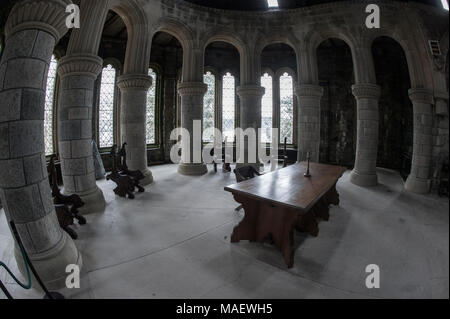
(261, 5)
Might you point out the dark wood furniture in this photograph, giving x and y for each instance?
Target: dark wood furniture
(245, 173)
(278, 202)
(126, 185)
(136, 175)
(66, 206)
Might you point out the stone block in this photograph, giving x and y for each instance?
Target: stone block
(33, 104)
(46, 46)
(69, 184)
(26, 138)
(25, 72)
(73, 98)
(75, 166)
(85, 183)
(65, 149)
(33, 169)
(2, 74)
(78, 113)
(81, 148)
(79, 82)
(10, 104)
(12, 173)
(25, 203)
(69, 130)
(4, 140)
(45, 232)
(46, 195)
(20, 44)
(86, 129)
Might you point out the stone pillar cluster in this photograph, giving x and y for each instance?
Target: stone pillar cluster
(78, 73)
(309, 97)
(418, 181)
(367, 97)
(134, 88)
(250, 107)
(192, 94)
(32, 29)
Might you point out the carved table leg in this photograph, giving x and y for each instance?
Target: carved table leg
(246, 230)
(332, 196)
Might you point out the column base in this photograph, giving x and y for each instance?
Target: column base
(148, 178)
(51, 265)
(94, 202)
(192, 169)
(364, 180)
(417, 185)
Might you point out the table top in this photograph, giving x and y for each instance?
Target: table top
(289, 187)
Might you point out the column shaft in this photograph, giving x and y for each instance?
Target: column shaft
(78, 74)
(364, 172)
(32, 30)
(191, 110)
(133, 115)
(309, 97)
(418, 181)
(250, 118)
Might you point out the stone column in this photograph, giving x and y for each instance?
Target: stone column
(191, 110)
(309, 97)
(367, 97)
(32, 29)
(133, 114)
(418, 181)
(78, 73)
(250, 115)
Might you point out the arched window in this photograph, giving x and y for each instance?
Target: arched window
(209, 107)
(267, 109)
(228, 106)
(151, 109)
(286, 108)
(106, 108)
(49, 107)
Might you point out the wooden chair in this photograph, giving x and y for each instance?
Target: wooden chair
(136, 175)
(125, 184)
(245, 173)
(66, 206)
(226, 167)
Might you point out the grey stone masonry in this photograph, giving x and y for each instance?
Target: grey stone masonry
(78, 73)
(250, 111)
(418, 181)
(367, 96)
(133, 111)
(32, 30)
(309, 97)
(191, 110)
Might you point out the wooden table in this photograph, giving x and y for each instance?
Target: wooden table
(277, 202)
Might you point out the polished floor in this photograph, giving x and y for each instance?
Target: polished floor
(174, 242)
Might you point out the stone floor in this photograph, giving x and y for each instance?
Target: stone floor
(174, 242)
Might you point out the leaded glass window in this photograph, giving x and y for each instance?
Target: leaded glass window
(208, 107)
(49, 106)
(267, 109)
(106, 109)
(228, 107)
(151, 109)
(286, 108)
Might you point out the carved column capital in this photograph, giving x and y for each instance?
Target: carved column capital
(137, 82)
(192, 88)
(421, 95)
(46, 15)
(80, 64)
(256, 91)
(366, 91)
(309, 90)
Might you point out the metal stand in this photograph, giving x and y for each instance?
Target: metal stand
(48, 294)
(307, 174)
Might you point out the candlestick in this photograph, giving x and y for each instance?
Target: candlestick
(308, 157)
